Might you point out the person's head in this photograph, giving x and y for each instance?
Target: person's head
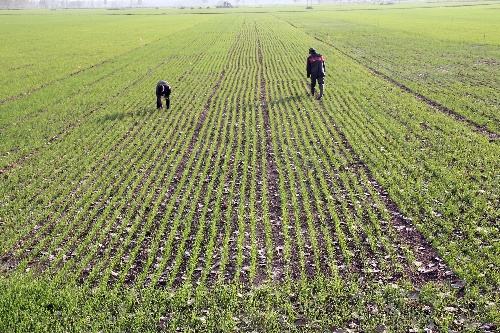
(312, 50)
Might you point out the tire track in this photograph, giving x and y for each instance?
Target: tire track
(260, 235)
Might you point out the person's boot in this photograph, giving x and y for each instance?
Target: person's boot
(312, 91)
(320, 91)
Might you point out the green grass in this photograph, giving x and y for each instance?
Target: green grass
(37, 305)
(249, 206)
(449, 54)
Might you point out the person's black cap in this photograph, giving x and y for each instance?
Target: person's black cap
(312, 50)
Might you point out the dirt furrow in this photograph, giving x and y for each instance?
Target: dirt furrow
(208, 184)
(217, 183)
(272, 176)
(261, 273)
(434, 268)
(213, 264)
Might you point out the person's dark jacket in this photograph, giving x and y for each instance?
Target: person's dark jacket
(316, 65)
(163, 89)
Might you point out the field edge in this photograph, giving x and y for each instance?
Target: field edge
(30, 304)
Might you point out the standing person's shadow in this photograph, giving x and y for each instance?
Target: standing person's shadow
(286, 100)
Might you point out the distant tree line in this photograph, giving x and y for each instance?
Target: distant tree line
(52, 4)
(13, 4)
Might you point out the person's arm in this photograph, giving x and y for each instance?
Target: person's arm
(308, 67)
(324, 66)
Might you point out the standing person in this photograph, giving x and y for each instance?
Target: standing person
(162, 89)
(316, 71)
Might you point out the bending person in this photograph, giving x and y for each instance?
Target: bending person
(162, 89)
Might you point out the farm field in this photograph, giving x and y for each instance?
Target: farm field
(249, 205)
(445, 54)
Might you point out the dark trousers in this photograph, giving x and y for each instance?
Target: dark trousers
(159, 104)
(319, 79)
